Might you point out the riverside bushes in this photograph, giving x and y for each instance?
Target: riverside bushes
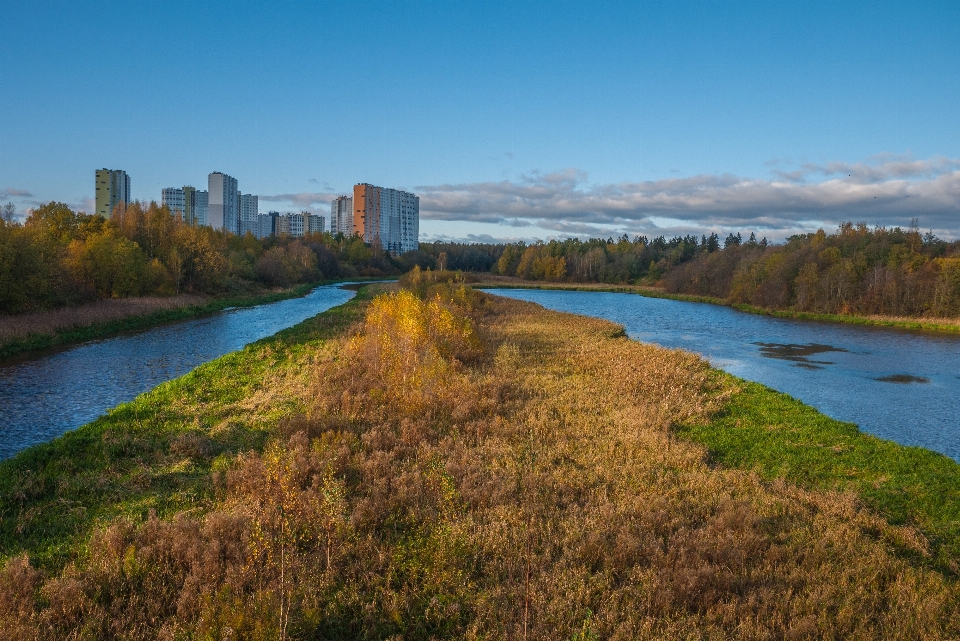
(469, 467)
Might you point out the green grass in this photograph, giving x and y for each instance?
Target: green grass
(781, 438)
(157, 452)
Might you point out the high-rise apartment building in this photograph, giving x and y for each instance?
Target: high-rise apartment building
(223, 204)
(283, 225)
(189, 205)
(267, 224)
(315, 224)
(187, 202)
(296, 225)
(113, 187)
(249, 209)
(201, 207)
(341, 216)
(173, 198)
(388, 217)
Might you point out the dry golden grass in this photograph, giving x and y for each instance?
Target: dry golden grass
(20, 326)
(537, 492)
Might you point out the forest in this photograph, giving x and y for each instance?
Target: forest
(856, 270)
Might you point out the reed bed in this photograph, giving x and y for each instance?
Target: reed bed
(21, 326)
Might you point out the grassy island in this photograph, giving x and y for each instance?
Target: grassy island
(435, 462)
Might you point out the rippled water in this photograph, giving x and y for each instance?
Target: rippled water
(902, 386)
(41, 398)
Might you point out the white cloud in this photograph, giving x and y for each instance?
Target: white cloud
(885, 190)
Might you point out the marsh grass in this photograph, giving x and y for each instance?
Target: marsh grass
(544, 486)
(39, 330)
(20, 326)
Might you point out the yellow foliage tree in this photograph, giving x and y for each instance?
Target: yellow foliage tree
(411, 346)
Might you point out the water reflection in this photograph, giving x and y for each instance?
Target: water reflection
(41, 398)
(903, 386)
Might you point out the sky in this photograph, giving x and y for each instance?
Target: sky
(510, 120)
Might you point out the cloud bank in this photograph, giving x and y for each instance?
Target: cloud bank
(886, 190)
(10, 192)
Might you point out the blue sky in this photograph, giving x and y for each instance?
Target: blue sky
(510, 120)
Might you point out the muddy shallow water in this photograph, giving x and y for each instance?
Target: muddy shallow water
(899, 385)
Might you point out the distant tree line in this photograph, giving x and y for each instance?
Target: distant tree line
(856, 270)
(620, 260)
(58, 257)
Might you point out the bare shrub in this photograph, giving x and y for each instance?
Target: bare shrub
(191, 444)
(19, 582)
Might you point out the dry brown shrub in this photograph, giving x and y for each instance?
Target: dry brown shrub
(19, 582)
(192, 444)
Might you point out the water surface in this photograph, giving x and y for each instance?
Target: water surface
(43, 397)
(899, 385)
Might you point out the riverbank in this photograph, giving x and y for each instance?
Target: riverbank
(484, 281)
(58, 327)
(538, 472)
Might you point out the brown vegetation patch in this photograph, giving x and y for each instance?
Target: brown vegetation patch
(20, 326)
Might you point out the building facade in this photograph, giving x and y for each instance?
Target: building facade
(282, 225)
(297, 224)
(113, 187)
(341, 216)
(388, 217)
(201, 207)
(267, 224)
(174, 199)
(189, 205)
(249, 210)
(315, 224)
(223, 203)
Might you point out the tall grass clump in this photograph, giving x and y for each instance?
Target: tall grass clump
(410, 347)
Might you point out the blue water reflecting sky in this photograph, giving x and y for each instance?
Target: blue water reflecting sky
(40, 398)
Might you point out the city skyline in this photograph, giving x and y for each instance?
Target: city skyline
(513, 121)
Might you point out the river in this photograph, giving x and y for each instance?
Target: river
(899, 385)
(41, 397)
